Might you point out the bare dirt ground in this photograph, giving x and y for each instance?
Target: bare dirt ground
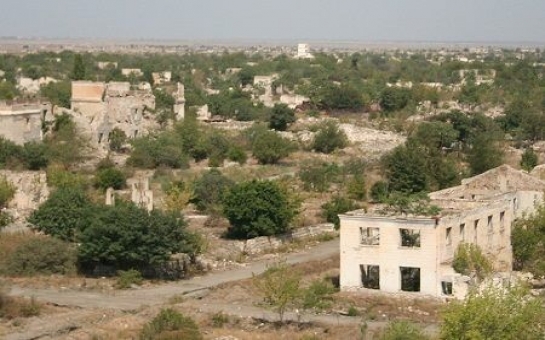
(99, 314)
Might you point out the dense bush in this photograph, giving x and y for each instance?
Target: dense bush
(329, 138)
(41, 255)
(66, 213)
(169, 324)
(209, 191)
(258, 208)
(281, 116)
(110, 178)
(268, 147)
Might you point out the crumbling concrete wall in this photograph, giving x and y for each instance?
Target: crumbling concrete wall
(23, 123)
(99, 108)
(31, 190)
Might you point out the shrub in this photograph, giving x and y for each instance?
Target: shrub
(117, 139)
(209, 191)
(219, 319)
(379, 191)
(353, 311)
(329, 138)
(258, 208)
(127, 278)
(42, 255)
(110, 178)
(237, 154)
(318, 295)
(170, 324)
(337, 205)
(281, 116)
(12, 308)
(469, 259)
(318, 176)
(528, 160)
(402, 330)
(7, 191)
(356, 188)
(268, 147)
(34, 156)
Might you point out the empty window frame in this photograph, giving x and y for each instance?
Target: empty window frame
(446, 287)
(370, 236)
(448, 236)
(502, 221)
(410, 279)
(410, 237)
(370, 276)
(475, 231)
(490, 225)
(462, 232)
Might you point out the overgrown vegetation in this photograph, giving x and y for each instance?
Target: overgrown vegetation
(170, 324)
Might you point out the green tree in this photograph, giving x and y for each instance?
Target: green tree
(528, 240)
(493, 313)
(65, 145)
(58, 93)
(258, 208)
(528, 160)
(394, 99)
(485, 153)
(128, 237)
(170, 325)
(268, 147)
(329, 138)
(209, 191)
(8, 91)
(406, 170)
(65, 214)
(281, 116)
(78, 72)
(117, 139)
(280, 287)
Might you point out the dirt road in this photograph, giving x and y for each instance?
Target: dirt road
(133, 299)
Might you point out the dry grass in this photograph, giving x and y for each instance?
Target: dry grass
(12, 308)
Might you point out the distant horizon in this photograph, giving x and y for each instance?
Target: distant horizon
(368, 21)
(277, 41)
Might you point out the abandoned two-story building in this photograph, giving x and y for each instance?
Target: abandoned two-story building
(398, 252)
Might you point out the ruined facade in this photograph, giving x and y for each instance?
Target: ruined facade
(179, 105)
(23, 123)
(395, 253)
(100, 107)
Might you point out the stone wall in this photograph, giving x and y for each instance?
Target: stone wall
(263, 244)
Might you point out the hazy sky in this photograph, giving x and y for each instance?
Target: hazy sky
(360, 20)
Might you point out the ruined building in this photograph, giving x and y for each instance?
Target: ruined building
(23, 123)
(399, 252)
(100, 107)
